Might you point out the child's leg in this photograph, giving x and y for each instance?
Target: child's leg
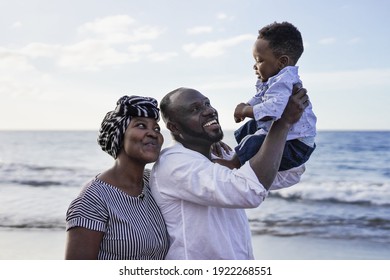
(295, 153)
(247, 128)
(248, 147)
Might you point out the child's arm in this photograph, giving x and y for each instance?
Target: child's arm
(244, 110)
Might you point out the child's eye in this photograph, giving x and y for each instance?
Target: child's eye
(157, 128)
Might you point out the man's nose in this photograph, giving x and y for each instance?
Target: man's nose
(209, 110)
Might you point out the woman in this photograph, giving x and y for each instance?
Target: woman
(115, 216)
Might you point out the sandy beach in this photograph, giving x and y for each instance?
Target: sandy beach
(49, 245)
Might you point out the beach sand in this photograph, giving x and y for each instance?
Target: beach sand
(50, 245)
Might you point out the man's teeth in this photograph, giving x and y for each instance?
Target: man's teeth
(210, 123)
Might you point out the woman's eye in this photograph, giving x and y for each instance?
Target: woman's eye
(141, 125)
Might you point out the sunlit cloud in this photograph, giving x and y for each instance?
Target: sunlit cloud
(215, 48)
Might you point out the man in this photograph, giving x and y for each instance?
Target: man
(203, 203)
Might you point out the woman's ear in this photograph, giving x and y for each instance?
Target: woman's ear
(284, 61)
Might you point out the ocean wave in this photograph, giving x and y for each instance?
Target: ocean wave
(347, 192)
(42, 176)
(35, 225)
(376, 229)
(37, 183)
(16, 167)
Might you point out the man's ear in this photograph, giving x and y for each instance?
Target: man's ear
(284, 61)
(173, 128)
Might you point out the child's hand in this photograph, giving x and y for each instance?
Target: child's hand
(242, 111)
(239, 112)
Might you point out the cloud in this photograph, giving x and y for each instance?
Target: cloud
(113, 40)
(199, 30)
(349, 81)
(354, 41)
(19, 78)
(215, 48)
(106, 25)
(40, 50)
(11, 61)
(158, 57)
(17, 24)
(119, 29)
(223, 16)
(327, 41)
(92, 55)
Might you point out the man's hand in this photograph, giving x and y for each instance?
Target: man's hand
(297, 103)
(217, 148)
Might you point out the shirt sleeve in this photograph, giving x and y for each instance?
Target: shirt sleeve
(198, 180)
(87, 211)
(288, 178)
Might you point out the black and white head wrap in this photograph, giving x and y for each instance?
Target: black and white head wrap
(115, 122)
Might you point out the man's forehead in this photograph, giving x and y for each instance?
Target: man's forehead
(187, 97)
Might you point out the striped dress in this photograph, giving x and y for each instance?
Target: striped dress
(133, 226)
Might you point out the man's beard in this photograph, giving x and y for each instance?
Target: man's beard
(213, 138)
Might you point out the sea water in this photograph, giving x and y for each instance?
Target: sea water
(344, 193)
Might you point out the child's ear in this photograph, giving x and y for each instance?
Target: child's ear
(283, 61)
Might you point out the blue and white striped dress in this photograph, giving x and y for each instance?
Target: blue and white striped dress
(133, 226)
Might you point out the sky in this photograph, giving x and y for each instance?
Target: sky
(64, 64)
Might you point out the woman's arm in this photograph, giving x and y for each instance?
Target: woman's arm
(83, 244)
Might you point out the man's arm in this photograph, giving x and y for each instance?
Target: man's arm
(266, 162)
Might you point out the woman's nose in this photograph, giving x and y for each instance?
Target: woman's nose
(152, 133)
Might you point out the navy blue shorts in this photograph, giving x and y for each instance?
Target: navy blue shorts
(295, 152)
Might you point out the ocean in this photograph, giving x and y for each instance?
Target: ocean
(344, 193)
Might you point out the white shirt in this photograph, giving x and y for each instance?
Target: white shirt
(271, 99)
(203, 204)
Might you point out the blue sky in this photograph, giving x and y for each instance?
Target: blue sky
(63, 64)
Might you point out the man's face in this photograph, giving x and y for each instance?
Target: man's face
(195, 118)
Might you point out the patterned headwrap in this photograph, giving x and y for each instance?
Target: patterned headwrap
(115, 122)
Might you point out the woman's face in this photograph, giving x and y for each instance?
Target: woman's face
(143, 140)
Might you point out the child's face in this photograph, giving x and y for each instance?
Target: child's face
(267, 65)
